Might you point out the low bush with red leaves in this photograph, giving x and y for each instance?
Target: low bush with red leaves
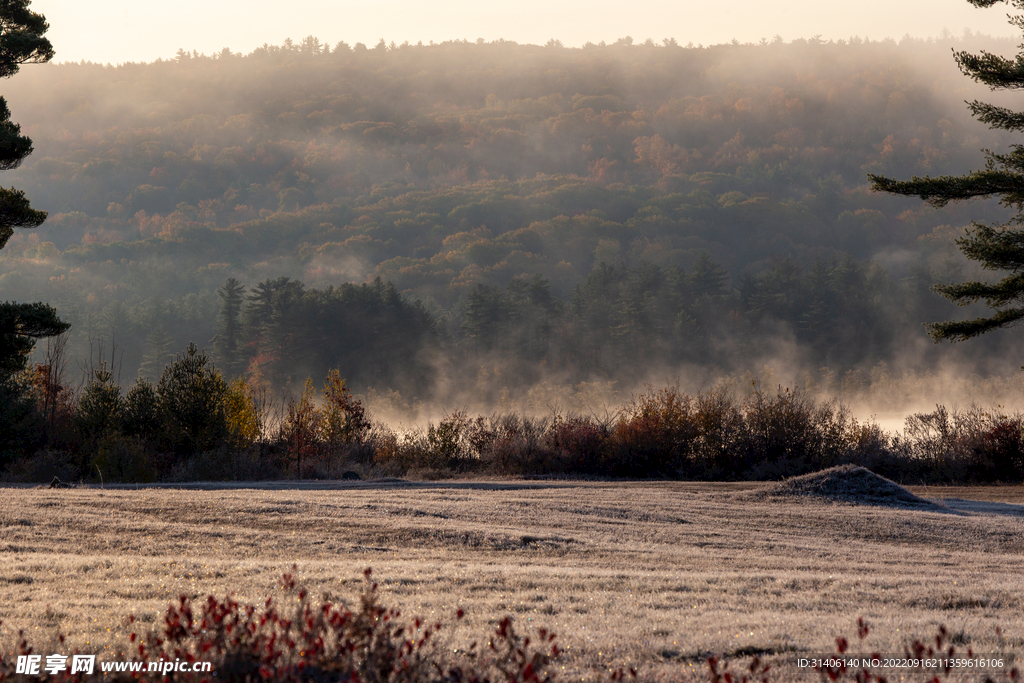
(313, 643)
(321, 642)
(943, 650)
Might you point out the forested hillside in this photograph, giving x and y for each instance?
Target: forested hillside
(499, 215)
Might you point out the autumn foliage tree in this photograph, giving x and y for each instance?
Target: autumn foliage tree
(312, 433)
(301, 428)
(344, 418)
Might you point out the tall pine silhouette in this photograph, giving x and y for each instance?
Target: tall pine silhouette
(21, 42)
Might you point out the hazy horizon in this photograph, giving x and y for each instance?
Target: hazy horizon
(118, 31)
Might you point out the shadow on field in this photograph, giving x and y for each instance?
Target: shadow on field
(984, 507)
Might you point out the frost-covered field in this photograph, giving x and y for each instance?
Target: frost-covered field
(654, 575)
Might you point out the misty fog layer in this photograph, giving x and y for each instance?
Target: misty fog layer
(500, 224)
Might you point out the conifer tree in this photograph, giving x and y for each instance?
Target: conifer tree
(191, 398)
(998, 247)
(21, 42)
(159, 353)
(227, 340)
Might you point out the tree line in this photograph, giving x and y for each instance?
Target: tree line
(194, 425)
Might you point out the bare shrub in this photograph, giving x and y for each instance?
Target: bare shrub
(578, 444)
(716, 451)
(448, 445)
(971, 444)
(392, 454)
(442, 450)
(783, 434)
(516, 444)
(661, 433)
(43, 467)
(654, 435)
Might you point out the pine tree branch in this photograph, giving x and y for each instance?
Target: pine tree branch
(997, 117)
(992, 70)
(1001, 249)
(1011, 162)
(984, 3)
(941, 190)
(1006, 291)
(20, 325)
(966, 329)
(21, 38)
(15, 212)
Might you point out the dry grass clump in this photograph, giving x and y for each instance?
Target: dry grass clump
(844, 484)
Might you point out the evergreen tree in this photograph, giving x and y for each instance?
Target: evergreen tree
(159, 353)
(101, 407)
(641, 311)
(264, 309)
(998, 247)
(484, 312)
(20, 326)
(707, 278)
(532, 311)
(226, 341)
(191, 397)
(21, 42)
(141, 410)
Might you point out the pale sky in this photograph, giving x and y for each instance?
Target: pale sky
(141, 30)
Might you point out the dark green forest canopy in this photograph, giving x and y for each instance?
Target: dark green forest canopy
(462, 172)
